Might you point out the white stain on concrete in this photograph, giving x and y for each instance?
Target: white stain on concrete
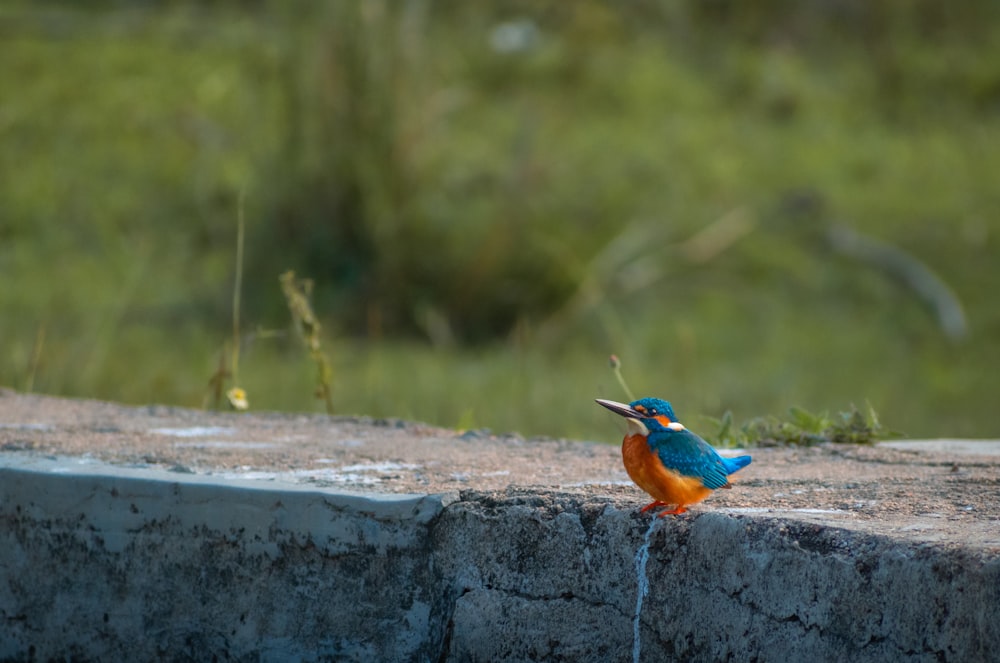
(379, 467)
(248, 474)
(642, 584)
(365, 474)
(961, 447)
(194, 431)
(72, 465)
(220, 444)
(757, 509)
(26, 427)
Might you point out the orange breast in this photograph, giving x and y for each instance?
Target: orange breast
(663, 484)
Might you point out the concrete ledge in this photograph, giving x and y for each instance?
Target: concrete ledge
(115, 564)
(149, 553)
(118, 564)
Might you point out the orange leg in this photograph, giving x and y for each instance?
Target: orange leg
(653, 505)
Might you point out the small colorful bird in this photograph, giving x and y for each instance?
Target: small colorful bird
(672, 464)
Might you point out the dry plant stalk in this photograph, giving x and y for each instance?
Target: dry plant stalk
(297, 292)
(236, 396)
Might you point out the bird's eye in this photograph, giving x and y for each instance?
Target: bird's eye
(653, 412)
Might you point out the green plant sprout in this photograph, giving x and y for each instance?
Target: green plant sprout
(803, 428)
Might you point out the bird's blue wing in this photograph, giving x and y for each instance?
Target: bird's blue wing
(691, 456)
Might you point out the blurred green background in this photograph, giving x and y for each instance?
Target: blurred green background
(755, 205)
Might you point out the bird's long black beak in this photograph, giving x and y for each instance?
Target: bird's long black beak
(620, 408)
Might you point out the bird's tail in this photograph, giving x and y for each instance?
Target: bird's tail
(735, 464)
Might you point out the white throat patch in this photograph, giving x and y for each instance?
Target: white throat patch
(636, 427)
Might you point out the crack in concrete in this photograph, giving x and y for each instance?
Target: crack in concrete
(805, 626)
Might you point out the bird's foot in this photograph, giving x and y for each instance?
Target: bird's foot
(675, 512)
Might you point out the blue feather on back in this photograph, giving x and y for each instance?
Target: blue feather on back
(688, 454)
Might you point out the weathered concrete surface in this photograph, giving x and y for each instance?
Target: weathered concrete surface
(160, 533)
(118, 564)
(559, 581)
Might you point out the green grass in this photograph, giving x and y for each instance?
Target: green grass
(801, 428)
(485, 228)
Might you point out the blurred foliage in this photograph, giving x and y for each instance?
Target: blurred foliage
(754, 204)
(802, 428)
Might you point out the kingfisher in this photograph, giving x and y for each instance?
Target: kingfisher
(675, 466)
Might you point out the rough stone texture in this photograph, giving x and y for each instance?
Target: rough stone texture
(140, 566)
(279, 537)
(556, 578)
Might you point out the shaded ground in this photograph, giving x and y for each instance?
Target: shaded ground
(935, 492)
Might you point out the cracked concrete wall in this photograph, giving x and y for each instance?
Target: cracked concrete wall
(554, 580)
(167, 566)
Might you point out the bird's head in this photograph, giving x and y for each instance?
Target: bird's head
(645, 414)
